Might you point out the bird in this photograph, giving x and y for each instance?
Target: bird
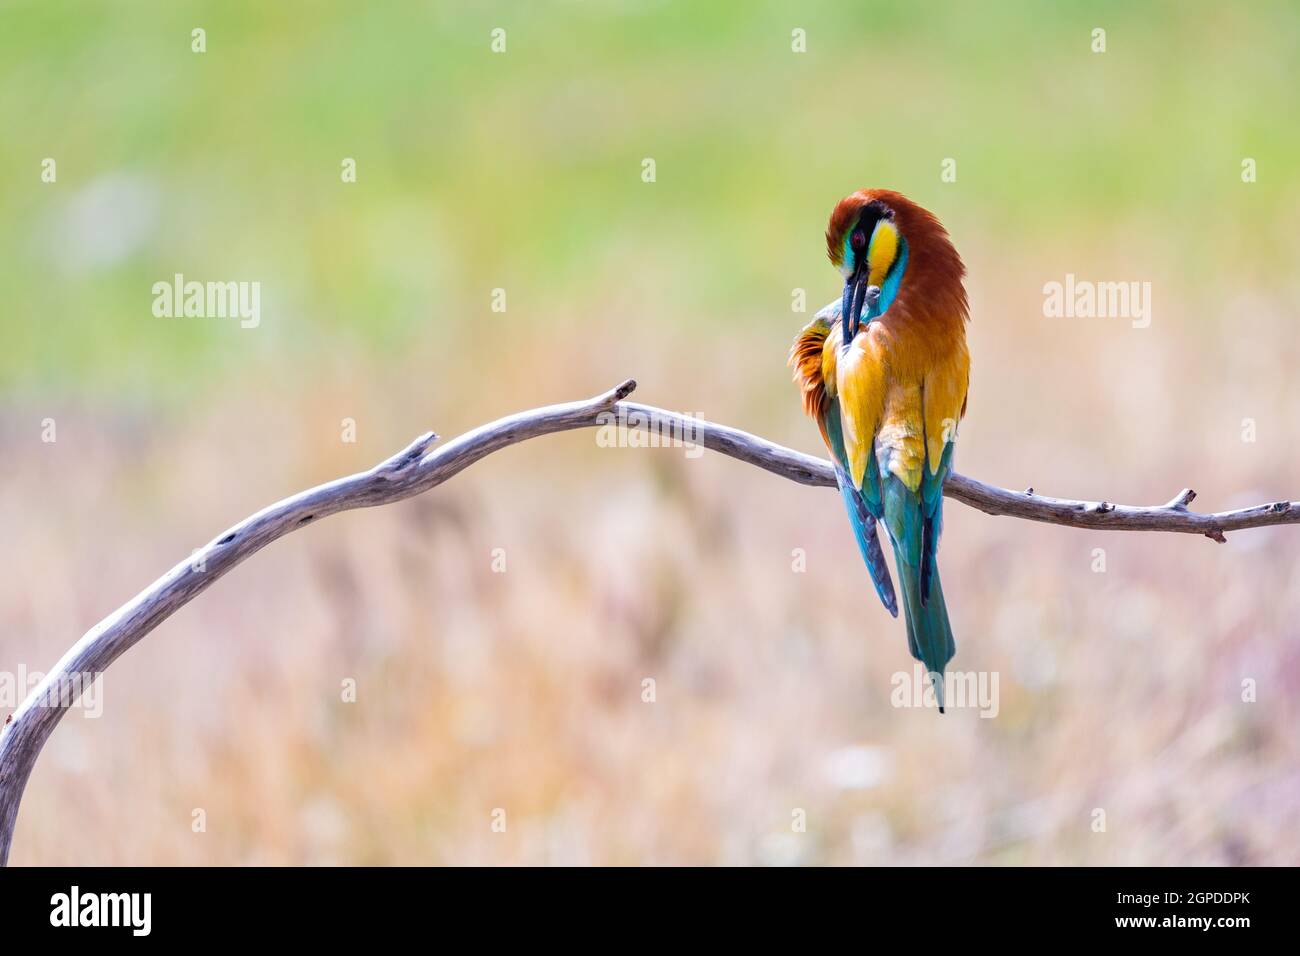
(884, 373)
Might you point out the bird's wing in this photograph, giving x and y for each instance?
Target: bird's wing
(813, 356)
(944, 403)
(945, 388)
(861, 383)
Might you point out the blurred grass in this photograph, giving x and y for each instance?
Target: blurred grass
(522, 171)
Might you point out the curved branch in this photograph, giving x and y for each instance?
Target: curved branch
(416, 469)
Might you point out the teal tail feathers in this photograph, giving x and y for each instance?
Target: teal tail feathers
(914, 535)
(929, 634)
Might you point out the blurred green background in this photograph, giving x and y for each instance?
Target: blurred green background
(522, 171)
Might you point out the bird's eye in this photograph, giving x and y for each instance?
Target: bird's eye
(858, 239)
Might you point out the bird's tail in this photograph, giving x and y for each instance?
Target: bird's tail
(929, 635)
(914, 533)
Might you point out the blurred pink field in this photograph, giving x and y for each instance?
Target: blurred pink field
(479, 690)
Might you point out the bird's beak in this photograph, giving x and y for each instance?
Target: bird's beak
(858, 294)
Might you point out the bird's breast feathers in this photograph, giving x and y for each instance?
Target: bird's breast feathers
(901, 391)
(902, 394)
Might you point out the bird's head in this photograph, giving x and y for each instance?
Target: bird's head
(869, 238)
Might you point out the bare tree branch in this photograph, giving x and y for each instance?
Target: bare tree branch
(416, 469)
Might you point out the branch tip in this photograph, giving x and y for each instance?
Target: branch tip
(410, 454)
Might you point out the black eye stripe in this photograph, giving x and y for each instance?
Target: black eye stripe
(871, 214)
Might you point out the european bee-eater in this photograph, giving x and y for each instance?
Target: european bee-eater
(884, 375)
